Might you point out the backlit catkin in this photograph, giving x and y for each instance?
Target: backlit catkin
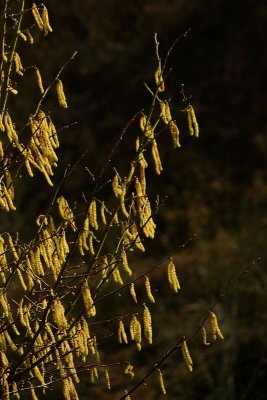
(156, 157)
(88, 301)
(186, 356)
(133, 293)
(37, 17)
(161, 382)
(18, 64)
(192, 121)
(216, 332)
(172, 277)
(39, 80)
(122, 336)
(159, 80)
(45, 19)
(204, 336)
(147, 325)
(60, 94)
(148, 290)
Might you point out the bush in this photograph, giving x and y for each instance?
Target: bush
(76, 293)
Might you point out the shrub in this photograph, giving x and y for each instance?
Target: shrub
(56, 323)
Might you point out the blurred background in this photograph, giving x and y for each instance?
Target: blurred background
(216, 185)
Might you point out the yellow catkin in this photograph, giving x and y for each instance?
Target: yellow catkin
(60, 94)
(66, 389)
(88, 301)
(66, 212)
(204, 336)
(137, 240)
(116, 185)
(39, 80)
(2, 126)
(59, 315)
(136, 332)
(194, 122)
(156, 157)
(15, 390)
(102, 213)
(132, 292)
(122, 200)
(29, 36)
(146, 127)
(159, 80)
(73, 392)
(165, 112)
(107, 378)
(172, 277)
(93, 215)
(18, 64)
(4, 304)
(3, 346)
(147, 325)
(186, 356)
(21, 279)
(5, 388)
(125, 263)
(10, 341)
(175, 134)
(37, 17)
(122, 336)
(45, 19)
(23, 36)
(129, 370)
(216, 332)
(148, 290)
(189, 120)
(93, 374)
(32, 391)
(161, 382)
(117, 276)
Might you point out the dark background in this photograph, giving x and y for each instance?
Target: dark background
(216, 186)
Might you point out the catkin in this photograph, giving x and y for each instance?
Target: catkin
(156, 157)
(165, 112)
(146, 127)
(125, 263)
(192, 121)
(204, 336)
(60, 94)
(132, 292)
(129, 371)
(18, 64)
(45, 19)
(136, 332)
(122, 336)
(216, 332)
(59, 315)
(29, 36)
(148, 290)
(148, 333)
(37, 17)
(93, 214)
(172, 277)
(159, 80)
(186, 356)
(65, 212)
(107, 379)
(161, 382)
(88, 300)
(39, 80)
(175, 134)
